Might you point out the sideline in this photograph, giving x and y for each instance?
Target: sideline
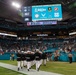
(24, 71)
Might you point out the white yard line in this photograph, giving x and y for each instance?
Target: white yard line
(24, 71)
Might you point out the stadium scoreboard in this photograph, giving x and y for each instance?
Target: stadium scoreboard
(42, 13)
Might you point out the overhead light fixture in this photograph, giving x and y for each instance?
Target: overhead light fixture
(5, 34)
(17, 5)
(73, 33)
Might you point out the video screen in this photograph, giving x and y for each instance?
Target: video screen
(47, 12)
(42, 14)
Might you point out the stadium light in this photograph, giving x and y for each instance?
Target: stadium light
(73, 33)
(17, 5)
(8, 34)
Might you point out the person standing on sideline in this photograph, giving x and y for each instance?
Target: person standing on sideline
(70, 57)
(13, 57)
(56, 55)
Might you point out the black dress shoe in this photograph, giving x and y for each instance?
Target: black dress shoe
(18, 69)
(28, 69)
(38, 69)
(21, 67)
(44, 65)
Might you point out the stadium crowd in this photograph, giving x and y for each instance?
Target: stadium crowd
(59, 46)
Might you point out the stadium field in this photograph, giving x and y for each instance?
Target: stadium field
(4, 71)
(57, 67)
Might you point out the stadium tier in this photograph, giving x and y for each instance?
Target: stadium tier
(38, 34)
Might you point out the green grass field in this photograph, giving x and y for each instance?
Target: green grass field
(4, 71)
(56, 67)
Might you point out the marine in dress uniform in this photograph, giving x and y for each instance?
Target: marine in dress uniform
(22, 59)
(38, 59)
(28, 59)
(44, 57)
(19, 59)
(25, 62)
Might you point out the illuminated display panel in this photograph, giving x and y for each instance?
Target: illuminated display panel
(41, 23)
(47, 12)
(42, 14)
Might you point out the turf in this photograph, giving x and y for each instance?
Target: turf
(4, 71)
(56, 67)
(9, 62)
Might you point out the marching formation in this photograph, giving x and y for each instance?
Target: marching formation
(29, 58)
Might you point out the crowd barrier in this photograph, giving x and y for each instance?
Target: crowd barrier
(63, 56)
(6, 56)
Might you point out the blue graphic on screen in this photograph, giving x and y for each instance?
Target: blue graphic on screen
(47, 12)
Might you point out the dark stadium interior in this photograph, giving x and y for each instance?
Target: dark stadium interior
(61, 29)
(69, 6)
(51, 34)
